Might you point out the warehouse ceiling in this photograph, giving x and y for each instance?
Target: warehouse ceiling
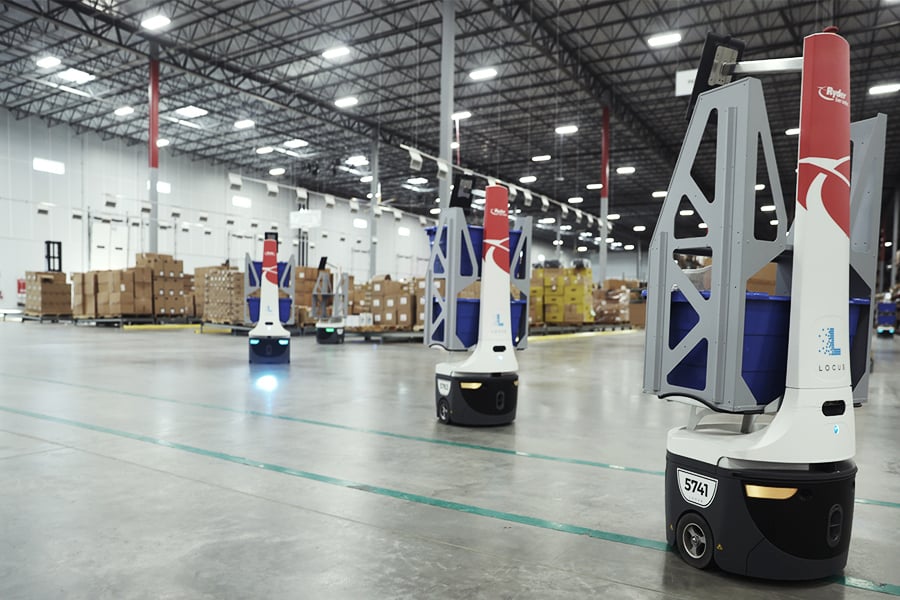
(557, 63)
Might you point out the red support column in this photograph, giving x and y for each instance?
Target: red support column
(154, 113)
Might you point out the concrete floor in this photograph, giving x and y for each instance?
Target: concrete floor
(148, 465)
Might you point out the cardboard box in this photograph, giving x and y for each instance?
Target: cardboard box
(764, 280)
(637, 314)
(389, 317)
(554, 313)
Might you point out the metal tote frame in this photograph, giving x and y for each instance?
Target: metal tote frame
(252, 280)
(338, 293)
(742, 124)
(453, 231)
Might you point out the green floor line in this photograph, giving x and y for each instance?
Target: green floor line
(400, 436)
(855, 582)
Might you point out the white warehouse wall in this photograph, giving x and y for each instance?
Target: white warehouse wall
(99, 173)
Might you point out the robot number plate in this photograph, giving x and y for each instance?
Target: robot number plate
(696, 489)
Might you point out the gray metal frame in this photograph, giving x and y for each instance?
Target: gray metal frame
(338, 293)
(737, 254)
(286, 283)
(453, 226)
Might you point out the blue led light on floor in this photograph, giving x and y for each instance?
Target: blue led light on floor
(267, 383)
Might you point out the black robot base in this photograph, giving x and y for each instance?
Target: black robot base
(782, 524)
(476, 399)
(269, 350)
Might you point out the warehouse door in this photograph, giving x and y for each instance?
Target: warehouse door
(118, 244)
(359, 264)
(239, 246)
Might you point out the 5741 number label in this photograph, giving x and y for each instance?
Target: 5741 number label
(696, 489)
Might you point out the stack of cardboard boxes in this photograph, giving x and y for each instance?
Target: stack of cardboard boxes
(565, 295)
(223, 300)
(200, 287)
(168, 284)
(84, 295)
(612, 301)
(47, 294)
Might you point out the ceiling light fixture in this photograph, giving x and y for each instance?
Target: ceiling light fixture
(346, 102)
(659, 194)
(527, 179)
(460, 115)
(265, 150)
(191, 112)
(244, 124)
(582, 248)
(336, 52)
(540, 158)
(357, 160)
(123, 111)
(277, 171)
(639, 228)
(295, 143)
(48, 62)
(613, 217)
(629, 247)
(162, 143)
(767, 208)
(547, 220)
(594, 186)
(661, 40)
(885, 88)
(76, 76)
(703, 226)
(576, 200)
(482, 74)
(625, 170)
(155, 22)
(454, 145)
(417, 181)
(435, 211)
(366, 179)
(566, 129)
(759, 187)
(773, 222)
(792, 131)
(686, 212)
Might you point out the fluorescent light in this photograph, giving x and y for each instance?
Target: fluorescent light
(123, 111)
(336, 52)
(346, 102)
(81, 93)
(759, 187)
(629, 247)
(576, 200)
(48, 62)
(48, 166)
(241, 201)
(191, 112)
(662, 40)
(625, 170)
(163, 187)
(888, 244)
(885, 88)
(540, 158)
(613, 217)
(585, 234)
(417, 181)
(277, 171)
(485, 73)
(639, 228)
(265, 150)
(547, 220)
(686, 212)
(162, 143)
(527, 179)
(594, 186)
(437, 200)
(610, 240)
(454, 145)
(460, 115)
(75, 76)
(357, 160)
(478, 201)
(295, 143)
(565, 228)
(773, 222)
(366, 179)
(403, 231)
(244, 124)
(792, 131)
(557, 242)
(659, 194)
(703, 226)
(566, 129)
(188, 124)
(360, 223)
(155, 22)
(582, 248)
(767, 208)
(435, 211)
